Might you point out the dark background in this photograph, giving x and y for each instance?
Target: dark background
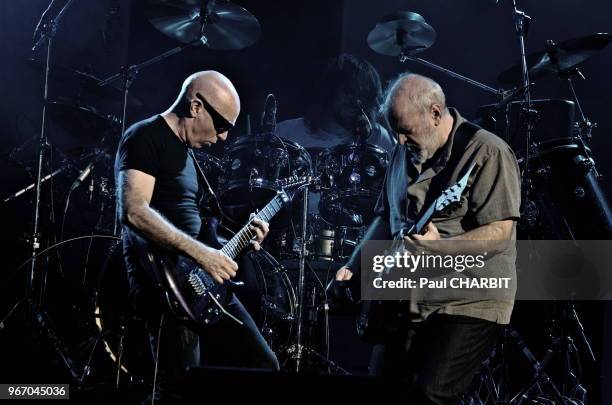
(474, 37)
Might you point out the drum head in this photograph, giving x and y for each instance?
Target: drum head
(269, 297)
(352, 209)
(252, 167)
(87, 301)
(351, 179)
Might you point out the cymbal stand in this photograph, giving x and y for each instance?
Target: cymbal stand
(582, 136)
(405, 56)
(585, 126)
(297, 349)
(48, 31)
(521, 27)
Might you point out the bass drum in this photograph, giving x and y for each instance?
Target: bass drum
(351, 179)
(87, 302)
(252, 167)
(269, 297)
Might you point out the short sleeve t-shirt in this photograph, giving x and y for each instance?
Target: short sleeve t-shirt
(492, 194)
(151, 146)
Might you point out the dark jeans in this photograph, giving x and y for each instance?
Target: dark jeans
(227, 343)
(439, 356)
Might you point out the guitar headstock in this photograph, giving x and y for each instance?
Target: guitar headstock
(451, 197)
(292, 185)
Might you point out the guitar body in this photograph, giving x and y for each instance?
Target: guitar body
(380, 320)
(192, 294)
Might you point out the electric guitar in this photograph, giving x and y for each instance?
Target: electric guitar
(380, 318)
(193, 295)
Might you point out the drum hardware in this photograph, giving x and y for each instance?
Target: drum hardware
(33, 305)
(406, 34)
(565, 330)
(558, 59)
(351, 177)
(31, 186)
(296, 349)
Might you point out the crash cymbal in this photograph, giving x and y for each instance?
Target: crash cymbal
(569, 54)
(401, 31)
(225, 26)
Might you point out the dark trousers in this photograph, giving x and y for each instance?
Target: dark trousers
(177, 348)
(439, 356)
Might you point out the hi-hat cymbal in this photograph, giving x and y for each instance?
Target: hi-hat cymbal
(221, 24)
(568, 55)
(401, 32)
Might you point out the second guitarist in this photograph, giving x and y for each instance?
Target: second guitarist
(441, 349)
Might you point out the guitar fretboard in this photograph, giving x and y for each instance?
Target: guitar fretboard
(244, 237)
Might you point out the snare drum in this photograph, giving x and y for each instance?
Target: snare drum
(332, 243)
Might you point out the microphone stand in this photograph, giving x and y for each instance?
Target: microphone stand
(48, 32)
(33, 304)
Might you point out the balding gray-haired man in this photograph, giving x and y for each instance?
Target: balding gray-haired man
(442, 350)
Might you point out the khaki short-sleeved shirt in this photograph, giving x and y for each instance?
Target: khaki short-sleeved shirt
(493, 194)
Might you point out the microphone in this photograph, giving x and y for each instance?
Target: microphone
(82, 176)
(268, 118)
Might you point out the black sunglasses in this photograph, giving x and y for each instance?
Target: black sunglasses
(219, 122)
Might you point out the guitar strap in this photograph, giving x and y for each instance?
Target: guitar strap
(204, 180)
(441, 181)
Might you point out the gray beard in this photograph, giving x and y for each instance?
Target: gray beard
(416, 156)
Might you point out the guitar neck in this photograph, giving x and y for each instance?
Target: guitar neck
(420, 223)
(244, 237)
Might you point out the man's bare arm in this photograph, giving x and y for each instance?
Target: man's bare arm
(135, 193)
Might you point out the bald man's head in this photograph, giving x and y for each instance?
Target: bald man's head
(415, 90)
(196, 120)
(216, 88)
(415, 107)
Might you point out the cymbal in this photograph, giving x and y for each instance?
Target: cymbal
(227, 26)
(569, 54)
(84, 126)
(401, 31)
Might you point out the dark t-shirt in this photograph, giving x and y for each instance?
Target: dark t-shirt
(151, 147)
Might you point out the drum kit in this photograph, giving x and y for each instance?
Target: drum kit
(288, 299)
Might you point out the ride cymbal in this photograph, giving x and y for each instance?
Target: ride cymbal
(219, 24)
